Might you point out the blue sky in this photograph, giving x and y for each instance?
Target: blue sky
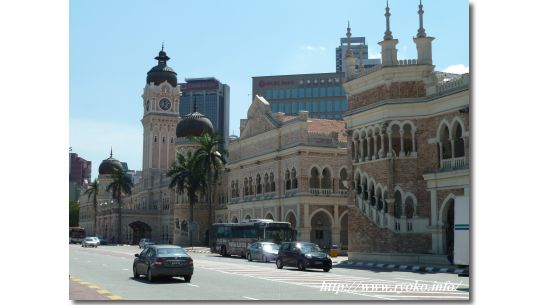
(112, 45)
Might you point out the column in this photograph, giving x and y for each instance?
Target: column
(374, 156)
(389, 149)
(452, 149)
(382, 154)
(413, 139)
(402, 153)
(368, 148)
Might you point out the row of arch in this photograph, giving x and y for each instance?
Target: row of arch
(377, 195)
(396, 139)
(451, 138)
(322, 179)
(256, 187)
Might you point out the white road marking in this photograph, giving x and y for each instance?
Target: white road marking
(250, 298)
(125, 269)
(193, 285)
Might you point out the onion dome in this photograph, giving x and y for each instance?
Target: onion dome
(108, 165)
(194, 125)
(161, 72)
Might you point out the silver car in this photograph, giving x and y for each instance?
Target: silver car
(145, 242)
(263, 251)
(90, 242)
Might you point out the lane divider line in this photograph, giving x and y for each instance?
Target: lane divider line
(92, 286)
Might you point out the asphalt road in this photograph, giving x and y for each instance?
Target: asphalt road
(105, 273)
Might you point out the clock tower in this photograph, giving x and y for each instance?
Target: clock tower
(160, 101)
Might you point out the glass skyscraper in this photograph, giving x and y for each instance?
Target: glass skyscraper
(321, 94)
(212, 99)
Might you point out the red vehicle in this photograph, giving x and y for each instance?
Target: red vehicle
(76, 235)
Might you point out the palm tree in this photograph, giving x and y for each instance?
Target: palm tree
(92, 191)
(210, 159)
(121, 184)
(187, 178)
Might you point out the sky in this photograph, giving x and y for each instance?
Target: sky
(112, 45)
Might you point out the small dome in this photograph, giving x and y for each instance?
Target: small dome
(194, 125)
(108, 165)
(161, 72)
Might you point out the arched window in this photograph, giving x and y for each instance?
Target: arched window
(287, 180)
(293, 178)
(397, 204)
(459, 146)
(371, 192)
(314, 178)
(446, 145)
(258, 184)
(250, 187)
(409, 208)
(267, 186)
(379, 199)
(326, 179)
(343, 179)
(236, 188)
(395, 139)
(370, 143)
(245, 187)
(408, 139)
(272, 181)
(233, 189)
(358, 184)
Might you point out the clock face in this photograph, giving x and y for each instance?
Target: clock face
(164, 104)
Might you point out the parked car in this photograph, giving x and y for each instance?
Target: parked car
(264, 251)
(145, 242)
(90, 242)
(163, 261)
(303, 255)
(102, 240)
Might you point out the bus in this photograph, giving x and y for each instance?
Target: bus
(76, 235)
(461, 231)
(233, 238)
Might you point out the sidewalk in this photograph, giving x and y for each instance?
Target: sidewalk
(345, 263)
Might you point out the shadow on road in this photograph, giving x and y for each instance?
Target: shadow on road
(160, 280)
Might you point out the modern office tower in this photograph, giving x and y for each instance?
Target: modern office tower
(360, 51)
(321, 94)
(212, 99)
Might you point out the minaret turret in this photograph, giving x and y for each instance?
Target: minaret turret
(350, 59)
(389, 53)
(423, 42)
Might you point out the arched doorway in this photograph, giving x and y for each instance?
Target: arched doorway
(321, 233)
(269, 216)
(293, 221)
(140, 230)
(448, 228)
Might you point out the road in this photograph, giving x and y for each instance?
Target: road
(105, 273)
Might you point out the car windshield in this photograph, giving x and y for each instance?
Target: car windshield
(306, 248)
(271, 247)
(170, 251)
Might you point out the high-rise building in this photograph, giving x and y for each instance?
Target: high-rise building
(321, 94)
(359, 49)
(79, 170)
(211, 98)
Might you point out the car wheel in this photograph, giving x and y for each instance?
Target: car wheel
(326, 269)
(249, 257)
(279, 264)
(223, 251)
(150, 276)
(187, 278)
(135, 273)
(300, 265)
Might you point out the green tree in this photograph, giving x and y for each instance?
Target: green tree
(187, 178)
(73, 213)
(210, 160)
(92, 191)
(121, 184)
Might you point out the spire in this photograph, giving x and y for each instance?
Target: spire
(388, 33)
(421, 31)
(194, 107)
(162, 48)
(110, 151)
(349, 52)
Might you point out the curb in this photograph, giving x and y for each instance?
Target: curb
(413, 268)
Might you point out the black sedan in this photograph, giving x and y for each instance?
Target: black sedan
(163, 261)
(303, 255)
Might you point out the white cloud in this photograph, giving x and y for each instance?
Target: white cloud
(457, 69)
(313, 48)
